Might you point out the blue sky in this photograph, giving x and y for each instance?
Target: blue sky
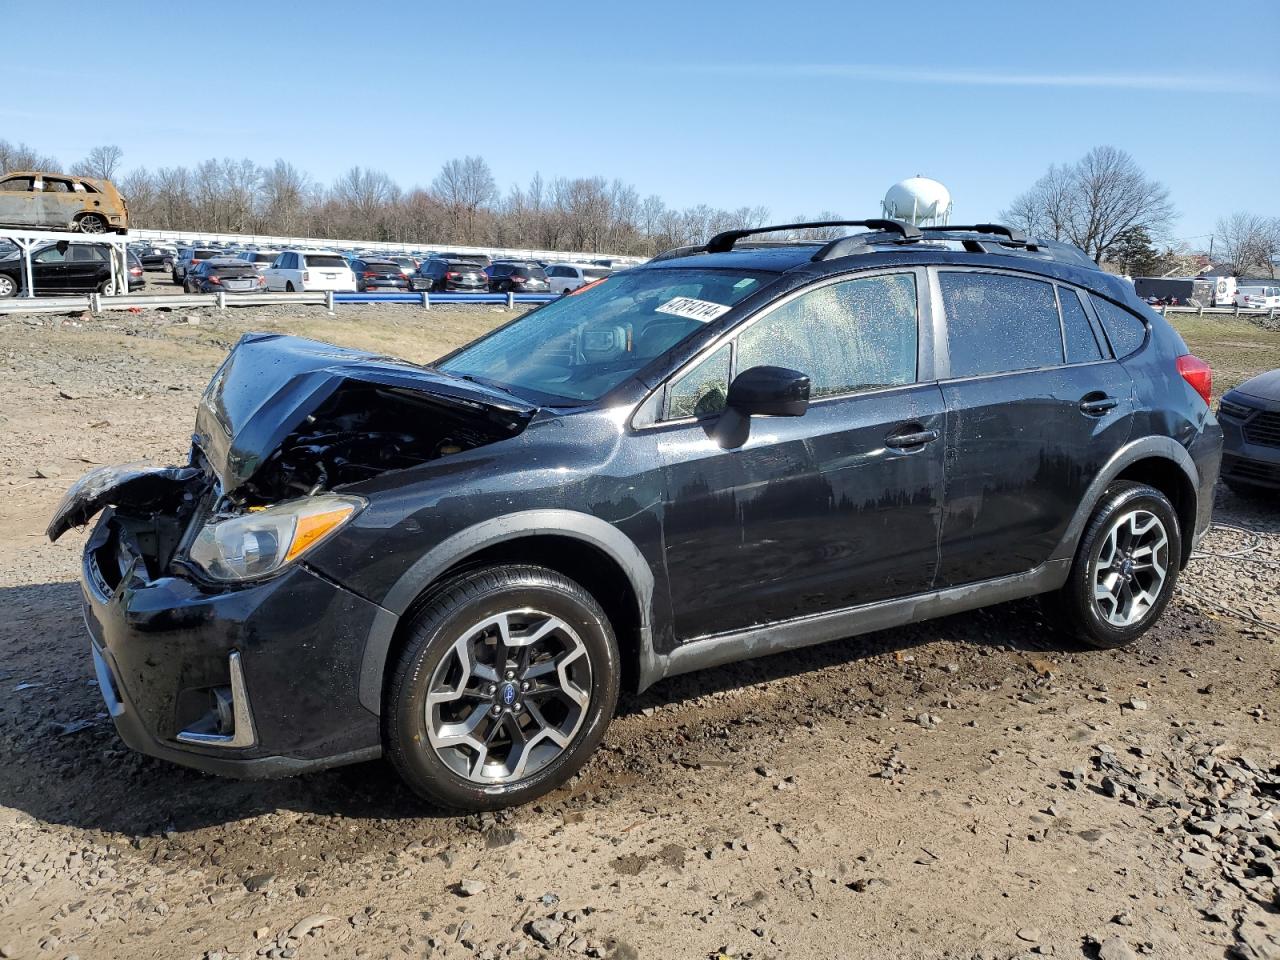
(796, 107)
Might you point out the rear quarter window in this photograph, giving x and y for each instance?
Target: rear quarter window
(1125, 331)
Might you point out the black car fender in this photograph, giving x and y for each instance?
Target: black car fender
(487, 533)
(1143, 448)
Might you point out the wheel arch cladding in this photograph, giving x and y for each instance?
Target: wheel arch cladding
(582, 547)
(1160, 462)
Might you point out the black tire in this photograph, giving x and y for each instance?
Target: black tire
(288, 287)
(1073, 608)
(9, 286)
(449, 612)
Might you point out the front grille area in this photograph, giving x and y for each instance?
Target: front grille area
(1264, 429)
(1237, 468)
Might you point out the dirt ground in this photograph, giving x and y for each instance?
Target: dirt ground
(963, 788)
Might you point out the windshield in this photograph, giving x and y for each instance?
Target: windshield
(583, 345)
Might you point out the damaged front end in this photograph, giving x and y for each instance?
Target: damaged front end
(283, 427)
(199, 618)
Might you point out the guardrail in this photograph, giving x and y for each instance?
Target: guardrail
(1225, 311)
(98, 303)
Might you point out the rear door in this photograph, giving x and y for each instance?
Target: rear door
(1035, 406)
(808, 514)
(87, 266)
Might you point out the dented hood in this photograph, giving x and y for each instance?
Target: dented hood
(271, 383)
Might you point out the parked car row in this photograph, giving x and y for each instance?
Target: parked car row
(299, 270)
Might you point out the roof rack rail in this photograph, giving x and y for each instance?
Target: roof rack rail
(1012, 234)
(723, 242)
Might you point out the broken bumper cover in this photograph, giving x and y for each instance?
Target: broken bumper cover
(283, 657)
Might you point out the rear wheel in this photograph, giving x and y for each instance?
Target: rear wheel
(504, 688)
(288, 287)
(1125, 569)
(92, 223)
(107, 287)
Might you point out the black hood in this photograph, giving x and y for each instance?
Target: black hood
(1265, 386)
(271, 383)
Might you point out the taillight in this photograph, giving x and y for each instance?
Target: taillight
(212, 279)
(369, 275)
(306, 275)
(262, 281)
(1197, 374)
(515, 279)
(454, 276)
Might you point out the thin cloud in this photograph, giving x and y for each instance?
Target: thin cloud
(1182, 82)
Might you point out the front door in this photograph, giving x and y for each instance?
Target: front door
(832, 509)
(49, 270)
(1035, 407)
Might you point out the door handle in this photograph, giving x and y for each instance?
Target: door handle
(1094, 405)
(911, 438)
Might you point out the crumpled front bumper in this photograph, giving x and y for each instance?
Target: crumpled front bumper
(161, 646)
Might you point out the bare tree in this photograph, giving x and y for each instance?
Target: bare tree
(1093, 201)
(465, 186)
(19, 156)
(1249, 242)
(101, 163)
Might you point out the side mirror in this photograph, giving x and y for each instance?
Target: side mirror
(769, 392)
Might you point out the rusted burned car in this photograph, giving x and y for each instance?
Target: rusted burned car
(55, 201)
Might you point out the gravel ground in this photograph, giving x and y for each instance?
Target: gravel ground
(963, 788)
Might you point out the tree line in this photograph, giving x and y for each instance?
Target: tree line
(1103, 203)
(461, 205)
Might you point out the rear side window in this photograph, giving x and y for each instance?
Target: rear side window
(849, 336)
(1077, 331)
(1125, 331)
(998, 323)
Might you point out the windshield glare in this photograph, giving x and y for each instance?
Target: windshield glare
(583, 345)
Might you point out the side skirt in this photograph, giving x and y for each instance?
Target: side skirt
(716, 649)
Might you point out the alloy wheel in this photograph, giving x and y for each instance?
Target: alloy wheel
(509, 696)
(1131, 567)
(93, 224)
(7, 287)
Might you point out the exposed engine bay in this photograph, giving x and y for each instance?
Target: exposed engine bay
(363, 431)
(286, 420)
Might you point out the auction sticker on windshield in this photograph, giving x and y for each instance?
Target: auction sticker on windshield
(702, 310)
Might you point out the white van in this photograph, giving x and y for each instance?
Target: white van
(1258, 298)
(564, 277)
(305, 270)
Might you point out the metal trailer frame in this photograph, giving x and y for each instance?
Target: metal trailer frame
(27, 240)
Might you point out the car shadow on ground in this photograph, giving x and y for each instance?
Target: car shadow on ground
(61, 761)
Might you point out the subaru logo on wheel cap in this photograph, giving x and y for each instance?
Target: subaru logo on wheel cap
(508, 693)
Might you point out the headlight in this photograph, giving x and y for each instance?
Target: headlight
(262, 542)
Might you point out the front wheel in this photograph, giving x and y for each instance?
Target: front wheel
(8, 287)
(505, 686)
(1125, 569)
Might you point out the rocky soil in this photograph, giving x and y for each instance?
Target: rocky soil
(965, 788)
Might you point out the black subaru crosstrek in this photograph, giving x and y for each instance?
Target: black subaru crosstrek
(733, 450)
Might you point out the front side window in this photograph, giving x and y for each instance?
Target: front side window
(50, 255)
(702, 390)
(846, 337)
(583, 345)
(998, 323)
